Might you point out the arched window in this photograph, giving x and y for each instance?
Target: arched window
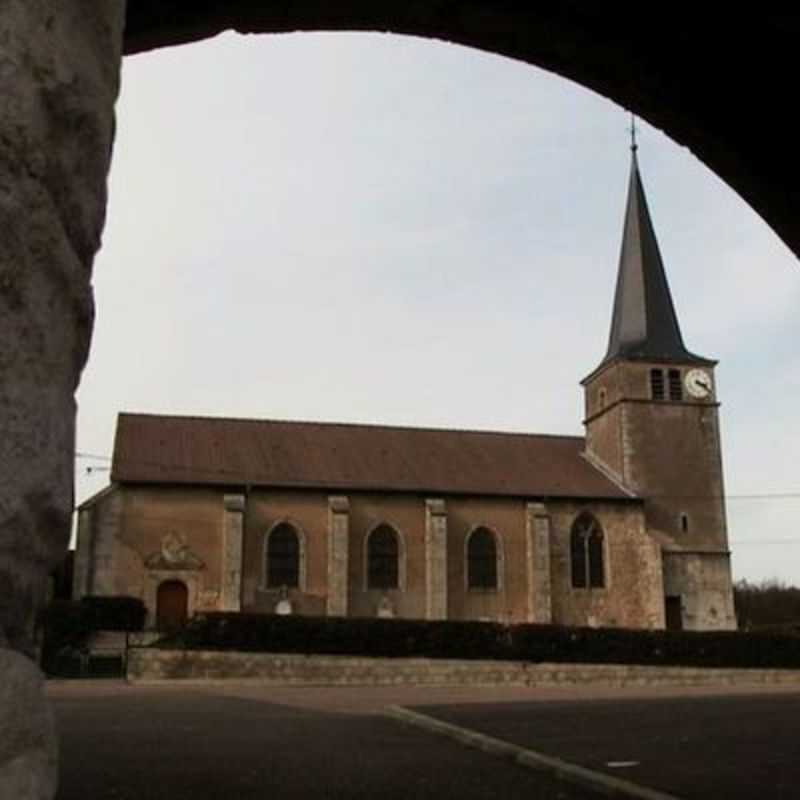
(283, 557)
(481, 560)
(383, 558)
(586, 550)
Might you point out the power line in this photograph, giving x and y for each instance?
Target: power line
(769, 542)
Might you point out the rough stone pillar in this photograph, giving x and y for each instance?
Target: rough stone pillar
(537, 526)
(60, 77)
(435, 559)
(338, 556)
(230, 594)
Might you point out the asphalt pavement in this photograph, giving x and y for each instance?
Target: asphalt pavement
(198, 743)
(241, 741)
(732, 747)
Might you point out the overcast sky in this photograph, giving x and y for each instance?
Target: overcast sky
(373, 228)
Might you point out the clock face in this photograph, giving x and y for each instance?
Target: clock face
(698, 383)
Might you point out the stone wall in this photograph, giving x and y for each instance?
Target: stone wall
(308, 514)
(703, 583)
(132, 525)
(146, 664)
(633, 593)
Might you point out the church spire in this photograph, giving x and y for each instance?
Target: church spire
(644, 325)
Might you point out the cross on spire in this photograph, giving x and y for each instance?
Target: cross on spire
(634, 145)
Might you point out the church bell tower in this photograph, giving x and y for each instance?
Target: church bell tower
(652, 423)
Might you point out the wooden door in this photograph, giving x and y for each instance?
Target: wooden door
(171, 605)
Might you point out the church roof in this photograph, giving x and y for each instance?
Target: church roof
(338, 457)
(644, 325)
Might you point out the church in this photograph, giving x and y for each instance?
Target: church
(622, 527)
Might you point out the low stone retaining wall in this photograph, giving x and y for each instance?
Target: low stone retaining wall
(146, 664)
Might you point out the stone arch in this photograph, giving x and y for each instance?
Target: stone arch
(599, 48)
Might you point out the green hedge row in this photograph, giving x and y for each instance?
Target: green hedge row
(94, 613)
(482, 640)
(66, 626)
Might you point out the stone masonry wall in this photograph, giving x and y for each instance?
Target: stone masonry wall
(632, 596)
(703, 583)
(150, 664)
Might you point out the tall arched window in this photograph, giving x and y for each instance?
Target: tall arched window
(283, 557)
(586, 550)
(383, 558)
(481, 560)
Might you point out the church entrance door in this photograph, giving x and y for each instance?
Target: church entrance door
(171, 605)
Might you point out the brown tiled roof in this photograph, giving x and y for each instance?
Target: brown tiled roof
(332, 456)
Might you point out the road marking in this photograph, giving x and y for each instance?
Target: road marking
(530, 759)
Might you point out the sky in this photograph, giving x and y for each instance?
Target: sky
(382, 229)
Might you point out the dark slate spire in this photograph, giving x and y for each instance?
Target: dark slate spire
(644, 325)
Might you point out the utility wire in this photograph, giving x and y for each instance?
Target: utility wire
(95, 456)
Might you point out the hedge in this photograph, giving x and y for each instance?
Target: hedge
(66, 626)
(119, 613)
(482, 640)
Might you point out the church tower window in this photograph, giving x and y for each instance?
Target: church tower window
(383, 558)
(586, 551)
(657, 384)
(675, 385)
(283, 557)
(481, 560)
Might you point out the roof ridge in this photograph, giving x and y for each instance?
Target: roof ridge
(328, 423)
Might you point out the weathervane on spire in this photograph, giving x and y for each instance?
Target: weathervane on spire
(634, 146)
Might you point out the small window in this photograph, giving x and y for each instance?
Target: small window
(657, 384)
(482, 560)
(684, 522)
(586, 553)
(675, 385)
(602, 398)
(283, 557)
(383, 556)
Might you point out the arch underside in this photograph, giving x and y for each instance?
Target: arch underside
(719, 84)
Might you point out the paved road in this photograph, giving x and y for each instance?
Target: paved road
(732, 747)
(205, 743)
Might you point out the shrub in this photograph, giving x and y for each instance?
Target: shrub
(483, 640)
(119, 613)
(67, 625)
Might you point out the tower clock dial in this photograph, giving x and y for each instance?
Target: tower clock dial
(698, 383)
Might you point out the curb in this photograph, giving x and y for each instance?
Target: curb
(530, 759)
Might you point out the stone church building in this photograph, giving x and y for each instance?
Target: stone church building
(623, 527)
